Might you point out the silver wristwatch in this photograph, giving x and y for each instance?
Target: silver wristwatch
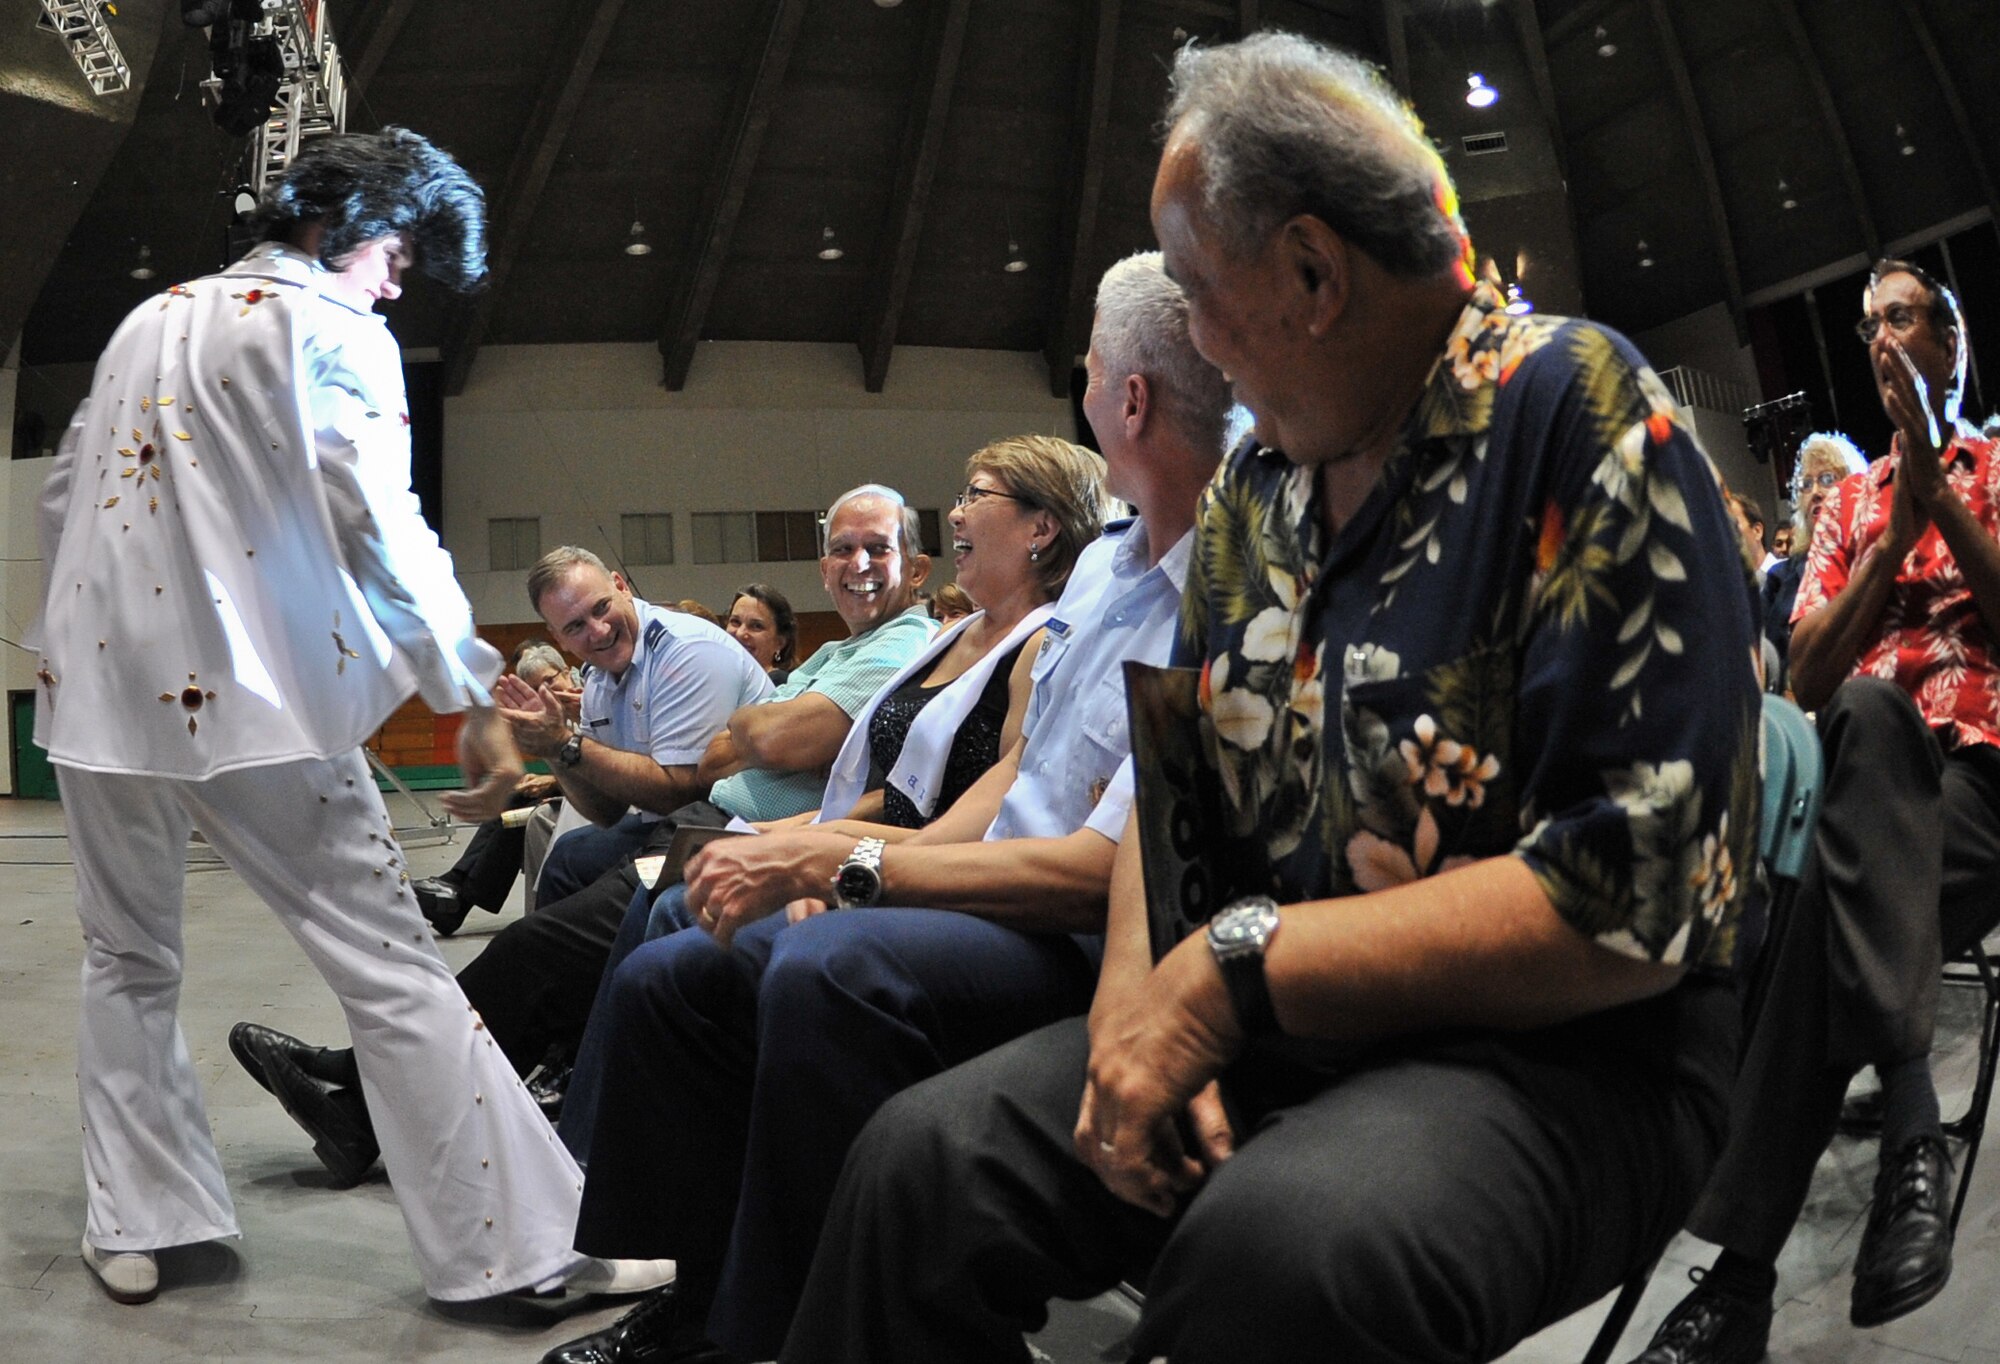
(571, 753)
(1238, 937)
(858, 883)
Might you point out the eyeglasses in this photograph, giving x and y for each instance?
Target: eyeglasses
(1900, 318)
(973, 492)
(1825, 478)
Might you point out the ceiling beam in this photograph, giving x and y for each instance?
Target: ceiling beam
(728, 181)
(1528, 24)
(1829, 114)
(1589, 12)
(923, 139)
(1704, 156)
(1080, 217)
(1395, 44)
(1948, 87)
(542, 139)
(384, 23)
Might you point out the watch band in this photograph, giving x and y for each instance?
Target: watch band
(1238, 936)
(571, 753)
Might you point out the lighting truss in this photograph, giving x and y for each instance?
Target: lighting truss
(312, 101)
(80, 24)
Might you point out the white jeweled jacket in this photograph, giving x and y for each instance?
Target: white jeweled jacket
(238, 573)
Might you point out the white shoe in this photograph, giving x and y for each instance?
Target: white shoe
(128, 1276)
(620, 1278)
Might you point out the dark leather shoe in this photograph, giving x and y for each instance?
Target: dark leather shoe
(334, 1116)
(441, 904)
(1905, 1256)
(547, 1086)
(660, 1330)
(327, 1064)
(1711, 1327)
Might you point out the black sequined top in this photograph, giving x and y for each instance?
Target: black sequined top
(974, 748)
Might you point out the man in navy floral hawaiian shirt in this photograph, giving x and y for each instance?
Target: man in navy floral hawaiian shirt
(1477, 663)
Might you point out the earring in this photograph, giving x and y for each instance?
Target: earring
(1034, 553)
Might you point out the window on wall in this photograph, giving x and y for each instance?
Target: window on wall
(513, 542)
(725, 537)
(648, 537)
(787, 536)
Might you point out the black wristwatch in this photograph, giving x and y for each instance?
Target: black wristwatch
(571, 753)
(1238, 936)
(858, 883)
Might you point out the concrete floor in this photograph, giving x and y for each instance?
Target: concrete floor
(327, 1276)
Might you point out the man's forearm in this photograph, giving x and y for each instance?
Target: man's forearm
(1977, 553)
(1480, 947)
(1128, 945)
(1827, 642)
(606, 781)
(1036, 885)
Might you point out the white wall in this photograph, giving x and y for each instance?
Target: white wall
(1704, 339)
(582, 434)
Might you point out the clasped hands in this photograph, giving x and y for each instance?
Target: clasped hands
(734, 882)
(1152, 1124)
(1920, 481)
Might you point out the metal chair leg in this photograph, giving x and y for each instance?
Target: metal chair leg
(1970, 1128)
(1613, 1329)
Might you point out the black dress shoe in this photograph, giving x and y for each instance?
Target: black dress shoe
(334, 1066)
(334, 1116)
(660, 1330)
(1905, 1256)
(441, 904)
(547, 1086)
(1711, 1326)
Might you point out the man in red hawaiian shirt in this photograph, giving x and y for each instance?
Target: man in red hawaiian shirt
(1894, 643)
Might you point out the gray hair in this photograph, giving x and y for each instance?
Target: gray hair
(556, 565)
(1287, 128)
(1821, 447)
(1142, 329)
(540, 659)
(910, 542)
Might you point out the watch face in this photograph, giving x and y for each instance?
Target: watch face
(858, 884)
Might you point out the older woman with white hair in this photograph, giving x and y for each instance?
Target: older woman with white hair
(1825, 459)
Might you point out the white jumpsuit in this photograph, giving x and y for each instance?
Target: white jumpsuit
(241, 589)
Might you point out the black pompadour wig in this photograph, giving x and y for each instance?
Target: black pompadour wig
(362, 186)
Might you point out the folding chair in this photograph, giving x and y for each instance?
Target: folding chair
(1793, 785)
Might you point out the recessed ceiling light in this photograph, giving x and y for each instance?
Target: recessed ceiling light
(829, 248)
(1016, 262)
(1645, 257)
(635, 240)
(1478, 93)
(1605, 47)
(1785, 199)
(1908, 147)
(143, 269)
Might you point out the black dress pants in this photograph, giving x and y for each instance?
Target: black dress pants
(485, 871)
(1905, 872)
(1439, 1203)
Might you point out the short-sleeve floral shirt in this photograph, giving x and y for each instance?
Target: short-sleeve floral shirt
(1532, 639)
(1931, 640)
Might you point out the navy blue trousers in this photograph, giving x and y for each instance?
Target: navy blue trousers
(731, 1082)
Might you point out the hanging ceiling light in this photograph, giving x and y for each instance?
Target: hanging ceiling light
(636, 243)
(1605, 47)
(143, 268)
(1478, 93)
(1517, 303)
(1785, 199)
(1645, 257)
(1908, 148)
(829, 246)
(1016, 262)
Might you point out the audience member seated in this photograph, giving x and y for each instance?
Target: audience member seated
(1894, 646)
(760, 619)
(1750, 524)
(1030, 506)
(1474, 643)
(660, 685)
(751, 1047)
(950, 602)
(484, 874)
(1825, 458)
(1750, 543)
(689, 606)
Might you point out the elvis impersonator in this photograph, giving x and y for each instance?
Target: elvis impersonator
(241, 589)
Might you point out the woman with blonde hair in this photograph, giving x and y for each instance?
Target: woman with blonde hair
(1825, 459)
